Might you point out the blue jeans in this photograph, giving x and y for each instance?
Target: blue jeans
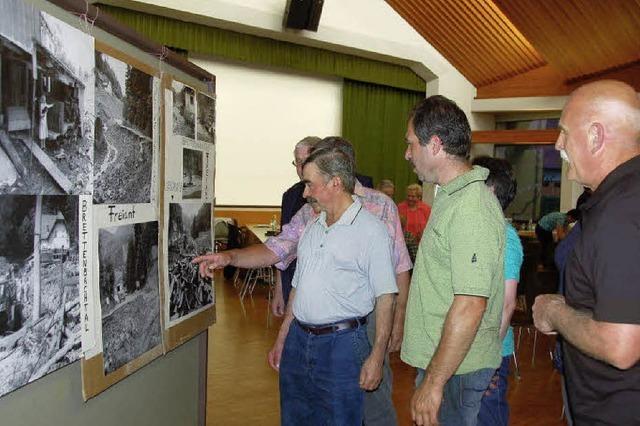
(494, 409)
(461, 397)
(319, 377)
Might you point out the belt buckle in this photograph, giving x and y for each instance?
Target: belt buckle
(347, 324)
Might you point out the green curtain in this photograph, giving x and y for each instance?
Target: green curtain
(374, 120)
(227, 44)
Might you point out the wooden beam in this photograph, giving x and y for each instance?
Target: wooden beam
(547, 81)
(7, 144)
(49, 166)
(542, 81)
(628, 73)
(516, 137)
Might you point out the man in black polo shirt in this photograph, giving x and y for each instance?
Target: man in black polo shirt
(599, 316)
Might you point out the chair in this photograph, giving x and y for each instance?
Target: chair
(533, 282)
(252, 277)
(221, 232)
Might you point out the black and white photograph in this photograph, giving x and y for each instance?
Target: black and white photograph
(123, 148)
(184, 110)
(206, 118)
(189, 236)
(39, 296)
(129, 292)
(46, 97)
(191, 173)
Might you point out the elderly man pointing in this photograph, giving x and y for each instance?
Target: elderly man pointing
(344, 270)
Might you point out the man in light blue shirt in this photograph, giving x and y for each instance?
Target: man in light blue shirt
(344, 270)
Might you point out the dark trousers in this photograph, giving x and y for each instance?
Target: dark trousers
(319, 377)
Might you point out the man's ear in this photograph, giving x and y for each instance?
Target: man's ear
(595, 136)
(336, 181)
(435, 144)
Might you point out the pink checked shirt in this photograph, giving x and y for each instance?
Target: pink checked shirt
(285, 245)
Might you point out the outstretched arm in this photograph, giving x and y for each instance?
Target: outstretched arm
(254, 256)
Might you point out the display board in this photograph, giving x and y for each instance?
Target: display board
(106, 195)
(188, 201)
(45, 168)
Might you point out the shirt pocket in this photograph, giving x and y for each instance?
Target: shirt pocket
(434, 237)
(348, 274)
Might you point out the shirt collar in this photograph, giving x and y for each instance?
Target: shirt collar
(476, 174)
(349, 215)
(612, 180)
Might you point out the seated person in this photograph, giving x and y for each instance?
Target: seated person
(414, 211)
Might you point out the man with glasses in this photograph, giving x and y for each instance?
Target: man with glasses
(292, 201)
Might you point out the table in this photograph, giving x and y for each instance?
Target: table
(526, 233)
(260, 231)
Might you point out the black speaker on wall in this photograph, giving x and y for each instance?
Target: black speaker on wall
(303, 14)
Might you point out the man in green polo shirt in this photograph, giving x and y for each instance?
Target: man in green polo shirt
(455, 301)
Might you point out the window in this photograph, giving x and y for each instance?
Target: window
(538, 170)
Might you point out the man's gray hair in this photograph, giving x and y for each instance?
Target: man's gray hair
(341, 144)
(333, 162)
(309, 143)
(386, 183)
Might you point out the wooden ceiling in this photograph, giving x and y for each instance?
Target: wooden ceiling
(531, 47)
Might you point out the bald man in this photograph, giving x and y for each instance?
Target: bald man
(599, 315)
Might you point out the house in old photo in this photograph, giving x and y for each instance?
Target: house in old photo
(54, 237)
(41, 93)
(16, 84)
(62, 90)
(19, 31)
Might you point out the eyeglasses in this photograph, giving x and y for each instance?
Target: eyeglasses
(295, 164)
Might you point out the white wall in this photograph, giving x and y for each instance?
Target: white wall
(261, 114)
(369, 28)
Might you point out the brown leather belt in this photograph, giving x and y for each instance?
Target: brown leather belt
(333, 327)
